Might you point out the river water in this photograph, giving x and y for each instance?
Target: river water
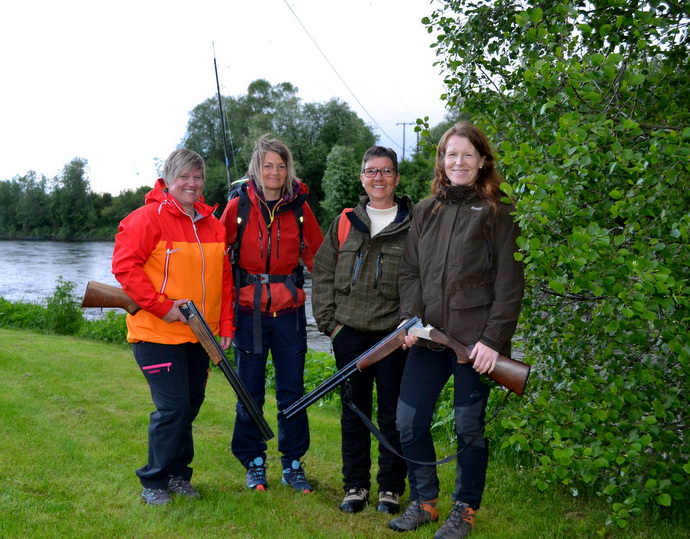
(29, 271)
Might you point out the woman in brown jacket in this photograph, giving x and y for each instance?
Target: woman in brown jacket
(459, 274)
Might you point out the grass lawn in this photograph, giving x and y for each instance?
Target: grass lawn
(73, 420)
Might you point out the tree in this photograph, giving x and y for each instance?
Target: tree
(71, 199)
(587, 102)
(340, 182)
(310, 130)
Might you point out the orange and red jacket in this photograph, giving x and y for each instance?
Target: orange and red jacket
(271, 245)
(162, 254)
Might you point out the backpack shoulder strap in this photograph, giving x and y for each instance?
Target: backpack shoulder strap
(343, 227)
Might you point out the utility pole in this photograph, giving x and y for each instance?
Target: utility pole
(404, 124)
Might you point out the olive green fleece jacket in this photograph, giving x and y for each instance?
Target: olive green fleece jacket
(356, 284)
(458, 271)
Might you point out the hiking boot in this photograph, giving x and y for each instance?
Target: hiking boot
(459, 523)
(355, 500)
(155, 496)
(294, 477)
(256, 475)
(389, 502)
(179, 485)
(417, 514)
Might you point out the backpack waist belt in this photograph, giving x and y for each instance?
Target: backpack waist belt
(291, 282)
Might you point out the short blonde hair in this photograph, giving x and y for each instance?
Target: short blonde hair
(181, 162)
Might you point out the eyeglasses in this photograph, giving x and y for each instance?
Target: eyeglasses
(386, 172)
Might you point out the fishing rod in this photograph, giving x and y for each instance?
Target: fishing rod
(222, 117)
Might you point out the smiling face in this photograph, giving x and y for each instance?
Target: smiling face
(273, 175)
(187, 188)
(462, 161)
(380, 188)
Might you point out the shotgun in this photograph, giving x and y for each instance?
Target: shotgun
(376, 353)
(217, 355)
(105, 295)
(510, 373)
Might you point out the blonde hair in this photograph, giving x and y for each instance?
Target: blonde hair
(181, 162)
(264, 145)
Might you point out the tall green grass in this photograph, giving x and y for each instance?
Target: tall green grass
(73, 420)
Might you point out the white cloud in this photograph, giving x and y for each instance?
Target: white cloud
(114, 83)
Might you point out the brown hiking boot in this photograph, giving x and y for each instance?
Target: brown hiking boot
(459, 523)
(417, 514)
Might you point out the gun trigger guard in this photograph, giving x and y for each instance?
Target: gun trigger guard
(436, 347)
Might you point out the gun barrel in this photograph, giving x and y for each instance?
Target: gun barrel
(217, 355)
(359, 363)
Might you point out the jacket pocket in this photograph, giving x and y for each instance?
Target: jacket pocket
(468, 298)
(345, 270)
(387, 270)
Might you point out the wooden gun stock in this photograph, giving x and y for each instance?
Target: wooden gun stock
(510, 373)
(105, 295)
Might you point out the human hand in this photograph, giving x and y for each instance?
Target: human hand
(484, 358)
(225, 342)
(410, 340)
(174, 314)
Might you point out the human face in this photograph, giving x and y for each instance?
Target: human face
(273, 175)
(462, 161)
(381, 191)
(187, 189)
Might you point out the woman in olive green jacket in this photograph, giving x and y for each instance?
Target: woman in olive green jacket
(459, 274)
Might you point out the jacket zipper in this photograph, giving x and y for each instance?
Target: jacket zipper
(355, 271)
(379, 265)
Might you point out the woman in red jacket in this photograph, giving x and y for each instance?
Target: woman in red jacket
(278, 229)
(168, 252)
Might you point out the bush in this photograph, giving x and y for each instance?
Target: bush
(112, 328)
(64, 313)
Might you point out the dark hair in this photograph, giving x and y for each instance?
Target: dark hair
(380, 151)
(488, 180)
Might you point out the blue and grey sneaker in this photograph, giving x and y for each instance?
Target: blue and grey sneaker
(256, 475)
(179, 485)
(155, 496)
(294, 477)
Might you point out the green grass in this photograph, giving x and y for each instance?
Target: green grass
(73, 420)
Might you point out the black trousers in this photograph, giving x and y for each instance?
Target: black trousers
(177, 375)
(356, 438)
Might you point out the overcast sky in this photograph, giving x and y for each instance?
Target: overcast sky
(114, 82)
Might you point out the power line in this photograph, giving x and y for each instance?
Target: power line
(338, 74)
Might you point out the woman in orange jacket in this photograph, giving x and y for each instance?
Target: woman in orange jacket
(168, 252)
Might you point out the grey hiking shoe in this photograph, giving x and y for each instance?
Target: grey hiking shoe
(295, 477)
(179, 485)
(355, 500)
(389, 502)
(256, 475)
(459, 523)
(155, 496)
(417, 514)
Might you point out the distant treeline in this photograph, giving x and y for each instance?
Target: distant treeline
(327, 140)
